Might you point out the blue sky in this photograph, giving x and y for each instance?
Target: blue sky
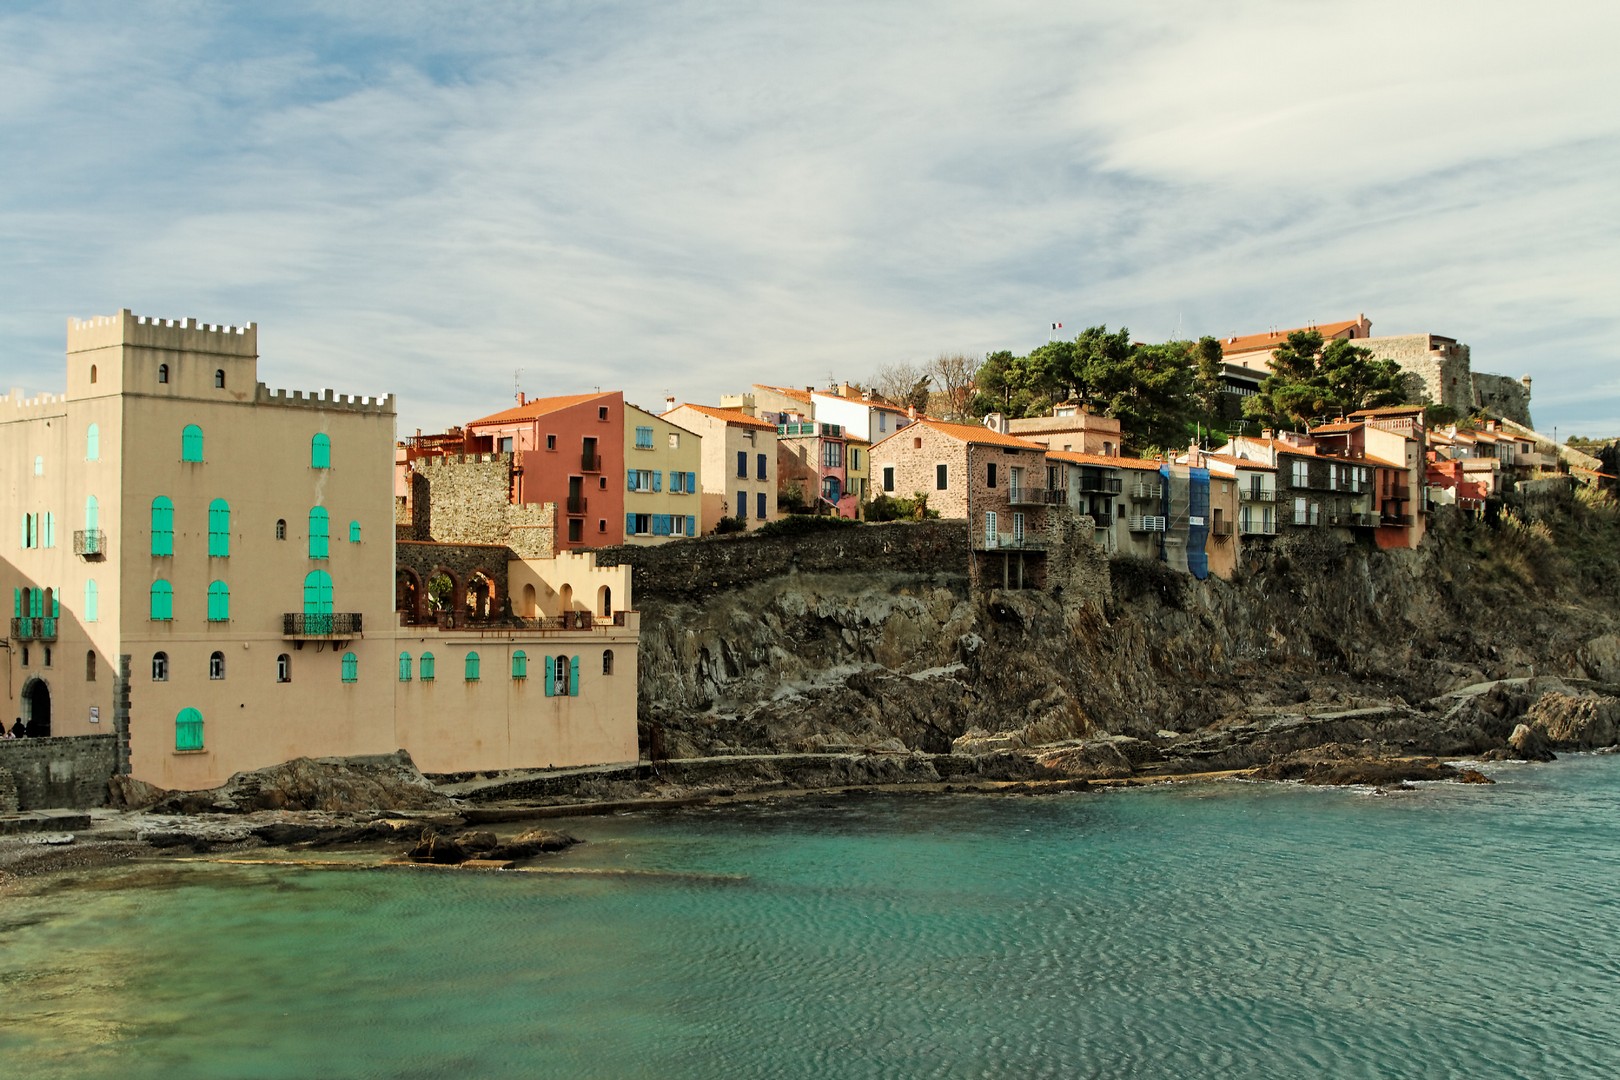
(685, 198)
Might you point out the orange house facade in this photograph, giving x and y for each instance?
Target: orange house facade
(569, 451)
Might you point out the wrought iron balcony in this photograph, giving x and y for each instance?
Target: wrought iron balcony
(34, 628)
(1258, 494)
(1034, 496)
(90, 543)
(1000, 541)
(577, 504)
(304, 625)
(590, 461)
(1108, 485)
(1258, 528)
(1221, 527)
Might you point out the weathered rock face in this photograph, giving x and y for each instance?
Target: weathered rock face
(1314, 628)
(377, 783)
(1576, 723)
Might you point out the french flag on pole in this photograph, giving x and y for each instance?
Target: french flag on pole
(1057, 326)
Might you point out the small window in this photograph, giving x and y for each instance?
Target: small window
(576, 530)
(427, 667)
(551, 442)
(354, 532)
(47, 656)
(601, 412)
(162, 601)
(188, 730)
(916, 444)
(281, 528)
(520, 665)
(759, 505)
(191, 443)
(990, 474)
(404, 667)
(674, 441)
(216, 666)
(92, 443)
(471, 671)
(39, 465)
(559, 675)
(941, 473)
(219, 529)
(92, 374)
(90, 666)
(320, 451)
(163, 373)
(760, 466)
(607, 661)
(25, 656)
(601, 525)
(219, 378)
(888, 478)
(351, 667)
(742, 464)
(160, 667)
(283, 668)
(219, 602)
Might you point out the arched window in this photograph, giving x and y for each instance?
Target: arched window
(92, 514)
(562, 676)
(351, 667)
(92, 376)
(219, 378)
(216, 665)
(160, 667)
(354, 532)
(283, 668)
(92, 442)
(320, 451)
(427, 667)
(90, 666)
(39, 464)
(163, 373)
(607, 661)
(219, 529)
(520, 665)
(188, 730)
(471, 673)
(162, 601)
(92, 601)
(604, 600)
(219, 602)
(162, 526)
(281, 528)
(191, 443)
(404, 667)
(319, 538)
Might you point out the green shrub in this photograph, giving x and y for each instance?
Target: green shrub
(804, 524)
(730, 525)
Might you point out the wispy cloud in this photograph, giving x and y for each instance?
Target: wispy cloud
(690, 197)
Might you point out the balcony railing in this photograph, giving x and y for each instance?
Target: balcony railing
(1007, 541)
(574, 620)
(833, 431)
(1034, 496)
(1402, 520)
(1221, 527)
(90, 543)
(1146, 523)
(1258, 528)
(576, 504)
(34, 628)
(1258, 494)
(590, 461)
(1102, 521)
(304, 624)
(1139, 490)
(1108, 485)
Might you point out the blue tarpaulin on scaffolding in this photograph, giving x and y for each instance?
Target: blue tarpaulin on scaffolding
(1198, 523)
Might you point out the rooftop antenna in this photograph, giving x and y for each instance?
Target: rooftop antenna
(517, 383)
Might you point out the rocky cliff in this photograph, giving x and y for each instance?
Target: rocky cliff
(1323, 640)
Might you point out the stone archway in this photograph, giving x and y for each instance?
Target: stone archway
(483, 596)
(408, 595)
(36, 708)
(531, 602)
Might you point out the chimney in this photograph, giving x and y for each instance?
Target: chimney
(669, 402)
(911, 411)
(523, 399)
(1265, 433)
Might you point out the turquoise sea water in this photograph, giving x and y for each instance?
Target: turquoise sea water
(1200, 930)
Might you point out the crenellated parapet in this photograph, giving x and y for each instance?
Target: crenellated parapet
(324, 399)
(17, 405)
(150, 332)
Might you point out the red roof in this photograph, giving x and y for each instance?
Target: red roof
(730, 416)
(538, 407)
(1240, 462)
(1107, 460)
(1255, 342)
(976, 434)
(785, 391)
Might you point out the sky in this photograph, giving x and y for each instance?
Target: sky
(453, 201)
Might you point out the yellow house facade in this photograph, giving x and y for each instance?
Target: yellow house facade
(663, 463)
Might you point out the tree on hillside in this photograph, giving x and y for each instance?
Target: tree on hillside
(1309, 380)
(901, 383)
(951, 376)
(1150, 393)
(1207, 384)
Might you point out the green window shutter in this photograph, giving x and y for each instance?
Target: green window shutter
(520, 665)
(351, 667)
(354, 532)
(629, 479)
(320, 452)
(56, 605)
(658, 479)
(629, 524)
(319, 532)
(191, 443)
(691, 525)
(162, 601)
(92, 514)
(551, 678)
(219, 529)
(427, 667)
(219, 602)
(573, 676)
(188, 730)
(691, 483)
(16, 603)
(50, 530)
(92, 601)
(404, 667)
(162, 526)
(92, 443)
(471, 672)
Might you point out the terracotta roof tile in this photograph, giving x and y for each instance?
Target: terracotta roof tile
(730, 416)
(1107, 460)
(538, 407)
(1268, 341)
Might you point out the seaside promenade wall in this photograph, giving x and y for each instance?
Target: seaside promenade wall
(63, 771)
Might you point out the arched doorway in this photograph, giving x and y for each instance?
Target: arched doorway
(604, 602)
(531, 603)
(36, 708)
(565, 599)
(408, 595)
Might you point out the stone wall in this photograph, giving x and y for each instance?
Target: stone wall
(65, 771)
(467, 499)
(1439, 370)
(1506, 397)
(691, 569)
